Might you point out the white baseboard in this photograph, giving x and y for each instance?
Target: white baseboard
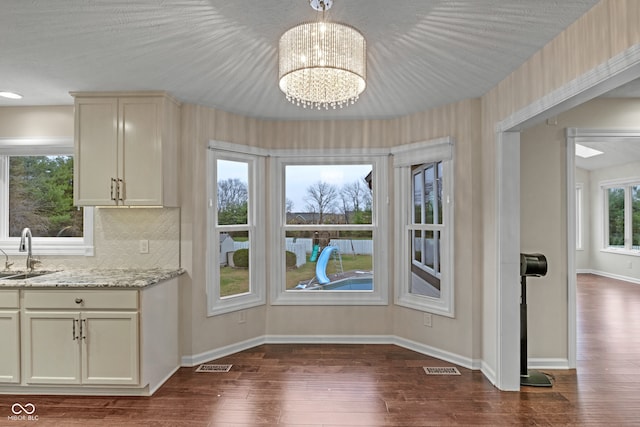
(488, 372)
(189, 361)
(427, 350)
(548, 363)
(196, 359)
(612, 276)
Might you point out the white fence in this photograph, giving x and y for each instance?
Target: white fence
(346, 246)
(303, 247)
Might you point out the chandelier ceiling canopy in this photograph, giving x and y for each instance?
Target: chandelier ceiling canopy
(322, 64)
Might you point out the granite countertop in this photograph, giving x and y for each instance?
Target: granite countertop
(94, 278)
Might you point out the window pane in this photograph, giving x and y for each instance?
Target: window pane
(635, 213)
(616, 217)
(418, 246)
(429, 194)
(41, 197)
(233, 192)
(234, 263)
(328, 194)
(417, 198)
(424, 280)
(329, 260)
(429, 248)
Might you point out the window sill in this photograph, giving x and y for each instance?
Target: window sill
(621, 251)
(310, 297)
(231, 305)
(426, 305)
(54, 246)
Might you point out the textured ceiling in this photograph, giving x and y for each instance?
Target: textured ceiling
(223, 53)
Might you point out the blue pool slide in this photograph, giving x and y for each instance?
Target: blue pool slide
(321, 265)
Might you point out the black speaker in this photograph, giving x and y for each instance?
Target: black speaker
(533, 265)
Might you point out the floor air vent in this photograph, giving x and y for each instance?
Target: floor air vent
(442, 371)
(207, 367)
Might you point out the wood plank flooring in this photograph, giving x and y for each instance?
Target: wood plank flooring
(384, 385)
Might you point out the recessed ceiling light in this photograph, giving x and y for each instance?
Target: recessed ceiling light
(586, 152)
(10, 95)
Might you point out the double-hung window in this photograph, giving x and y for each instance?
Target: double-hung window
(329, 236)
(622, 215)
(236, 228)
(423, 177)
(36, 192)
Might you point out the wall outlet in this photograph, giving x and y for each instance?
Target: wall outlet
(630, 265)
(242, 316)
(427, 319)
(144, 246)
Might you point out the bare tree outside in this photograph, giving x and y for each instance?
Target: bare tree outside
(355, 198)
(321, 199)
(288, 205)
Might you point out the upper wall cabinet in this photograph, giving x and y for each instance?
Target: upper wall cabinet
(126, 149)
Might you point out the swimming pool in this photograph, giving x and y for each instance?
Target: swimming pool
(350, 284)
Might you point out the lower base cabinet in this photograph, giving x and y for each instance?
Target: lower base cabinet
(92, 347)
(85, 337)
(89, 341)
(10, 333)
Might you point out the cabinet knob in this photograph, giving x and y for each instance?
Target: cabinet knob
(79, 300)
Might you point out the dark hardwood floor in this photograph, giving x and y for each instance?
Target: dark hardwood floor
(384, 385)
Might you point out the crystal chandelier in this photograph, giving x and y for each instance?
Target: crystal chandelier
(322, 64)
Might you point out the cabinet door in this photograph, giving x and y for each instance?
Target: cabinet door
(51, 351)
(109, 347)
(96, 151)
(140, 142)
(10, 348)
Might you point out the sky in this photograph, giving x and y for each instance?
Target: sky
(301, 177)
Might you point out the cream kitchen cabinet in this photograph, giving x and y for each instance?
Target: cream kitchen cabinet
(10, 333)
(126, 149)
(81, 337)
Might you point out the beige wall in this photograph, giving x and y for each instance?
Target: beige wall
(34, 122)
(460, 120)
(543, 230)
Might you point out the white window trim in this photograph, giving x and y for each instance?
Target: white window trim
(380, 294)
(256, 227)
(404, 157)
(625, 183)
(579, 216)
(68, 246)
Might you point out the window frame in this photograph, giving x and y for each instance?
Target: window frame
(67, 246)
(379, 228)
(404, 158)
(255, 158)
(626, 184)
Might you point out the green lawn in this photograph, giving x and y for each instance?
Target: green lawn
(308, 270)
(234, 281)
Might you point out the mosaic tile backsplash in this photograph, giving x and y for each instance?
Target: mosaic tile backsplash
(117, 233)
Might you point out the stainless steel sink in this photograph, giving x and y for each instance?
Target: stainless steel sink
(22, 275)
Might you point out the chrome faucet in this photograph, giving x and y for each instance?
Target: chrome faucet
(25, 246)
